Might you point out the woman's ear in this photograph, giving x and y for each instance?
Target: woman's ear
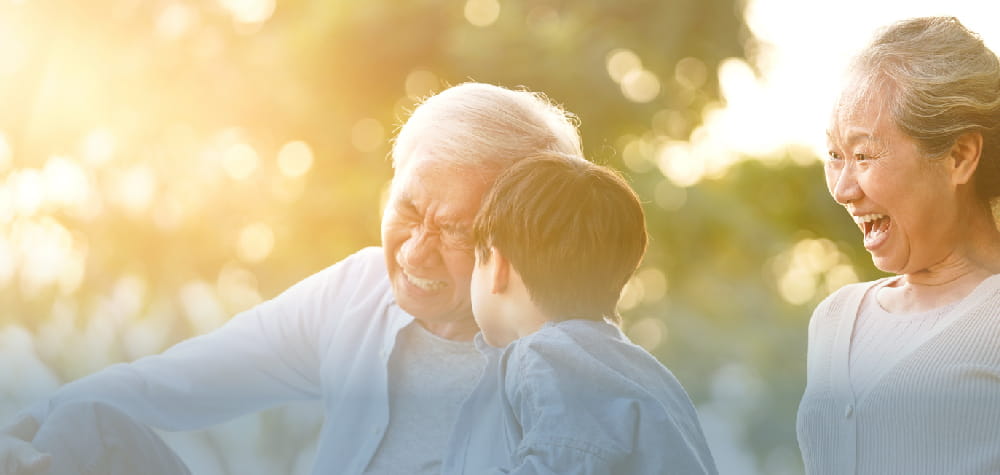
(500, 271)
(965, 157)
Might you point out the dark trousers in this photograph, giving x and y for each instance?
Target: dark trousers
(96, 439)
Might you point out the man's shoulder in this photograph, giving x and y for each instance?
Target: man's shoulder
(365, 269)
(368, 260)
(357, 283)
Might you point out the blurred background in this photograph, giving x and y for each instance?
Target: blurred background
(165, 164)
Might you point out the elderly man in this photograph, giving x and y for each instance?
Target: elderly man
(383, 338)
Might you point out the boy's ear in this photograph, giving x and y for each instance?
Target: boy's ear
(501, 271)
(965, 153)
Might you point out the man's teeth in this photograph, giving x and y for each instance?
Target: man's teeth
(868, 218)
(426, 284)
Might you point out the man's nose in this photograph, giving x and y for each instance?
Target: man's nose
(420, 250)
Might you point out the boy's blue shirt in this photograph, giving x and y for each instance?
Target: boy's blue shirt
(576, 397)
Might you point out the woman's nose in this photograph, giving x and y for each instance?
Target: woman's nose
(843, 184)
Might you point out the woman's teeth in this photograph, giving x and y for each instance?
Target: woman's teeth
(868, 218)
(872, 223)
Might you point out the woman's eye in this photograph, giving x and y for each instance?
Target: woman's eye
(833, 155)
(861, 157)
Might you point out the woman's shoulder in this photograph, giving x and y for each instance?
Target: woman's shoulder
(840, 303)
(850, 292)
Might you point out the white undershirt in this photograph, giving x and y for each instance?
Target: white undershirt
(429, 378)
(882, 338)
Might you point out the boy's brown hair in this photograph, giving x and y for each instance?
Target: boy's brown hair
(573, 230)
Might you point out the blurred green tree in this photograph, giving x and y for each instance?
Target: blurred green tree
(201, 156)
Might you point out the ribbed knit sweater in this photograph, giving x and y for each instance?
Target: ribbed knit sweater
(936, 411)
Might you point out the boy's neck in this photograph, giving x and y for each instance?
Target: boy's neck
(529, 319)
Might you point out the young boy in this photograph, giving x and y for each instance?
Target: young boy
(564, 391)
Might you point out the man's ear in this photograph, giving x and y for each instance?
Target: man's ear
(501, 271)
(965, 157)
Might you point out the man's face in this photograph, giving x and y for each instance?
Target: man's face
(426, 236)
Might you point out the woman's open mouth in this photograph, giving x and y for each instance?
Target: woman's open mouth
(875, 228)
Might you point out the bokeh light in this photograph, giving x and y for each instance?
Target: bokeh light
(175, 20)
(691, 73)
(482, 13)
(295, 159)
(166, 165)
(250, 11)
(811, 267)
(640, 85)
(648, 333)
(66, 183)
(255, 243)
(134, 188)
(621, 62)
(28, 188)
(240, 161)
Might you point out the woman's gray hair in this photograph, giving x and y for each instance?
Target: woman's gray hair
(938, 81)
(486, 127)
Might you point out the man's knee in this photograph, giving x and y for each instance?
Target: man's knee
(95, 437)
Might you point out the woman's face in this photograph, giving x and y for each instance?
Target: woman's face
(426, 239)
(903, 202)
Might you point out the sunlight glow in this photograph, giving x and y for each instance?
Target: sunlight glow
(482, 13)
(250, 11)
(295, 159)
(5, 153)
(98, 147)
(801, 64)
(648, 333)
(620, 62)
(255, 243)
(654, 284)
(134, 188)
(809, 268)
(669, 196)
(6, 261)
(27, 186)
(691, 73)
(421, 83)
(13, 52)
(632, 294)
(367, 135)
(66, 184)
(240, 161)
(640, 85)
(202, 308)
(46, 253)
(237, 288)
(176, 20)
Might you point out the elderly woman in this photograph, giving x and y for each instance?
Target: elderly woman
(904, 372)
(383, 338)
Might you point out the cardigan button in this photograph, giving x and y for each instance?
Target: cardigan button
(849, 411)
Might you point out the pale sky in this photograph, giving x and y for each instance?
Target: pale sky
(808, 44)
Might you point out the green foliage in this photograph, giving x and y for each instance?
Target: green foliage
(178, 85)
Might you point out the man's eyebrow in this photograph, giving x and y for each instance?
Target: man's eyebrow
(454, 225)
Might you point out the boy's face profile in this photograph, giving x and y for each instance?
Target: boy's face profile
(485, 302)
